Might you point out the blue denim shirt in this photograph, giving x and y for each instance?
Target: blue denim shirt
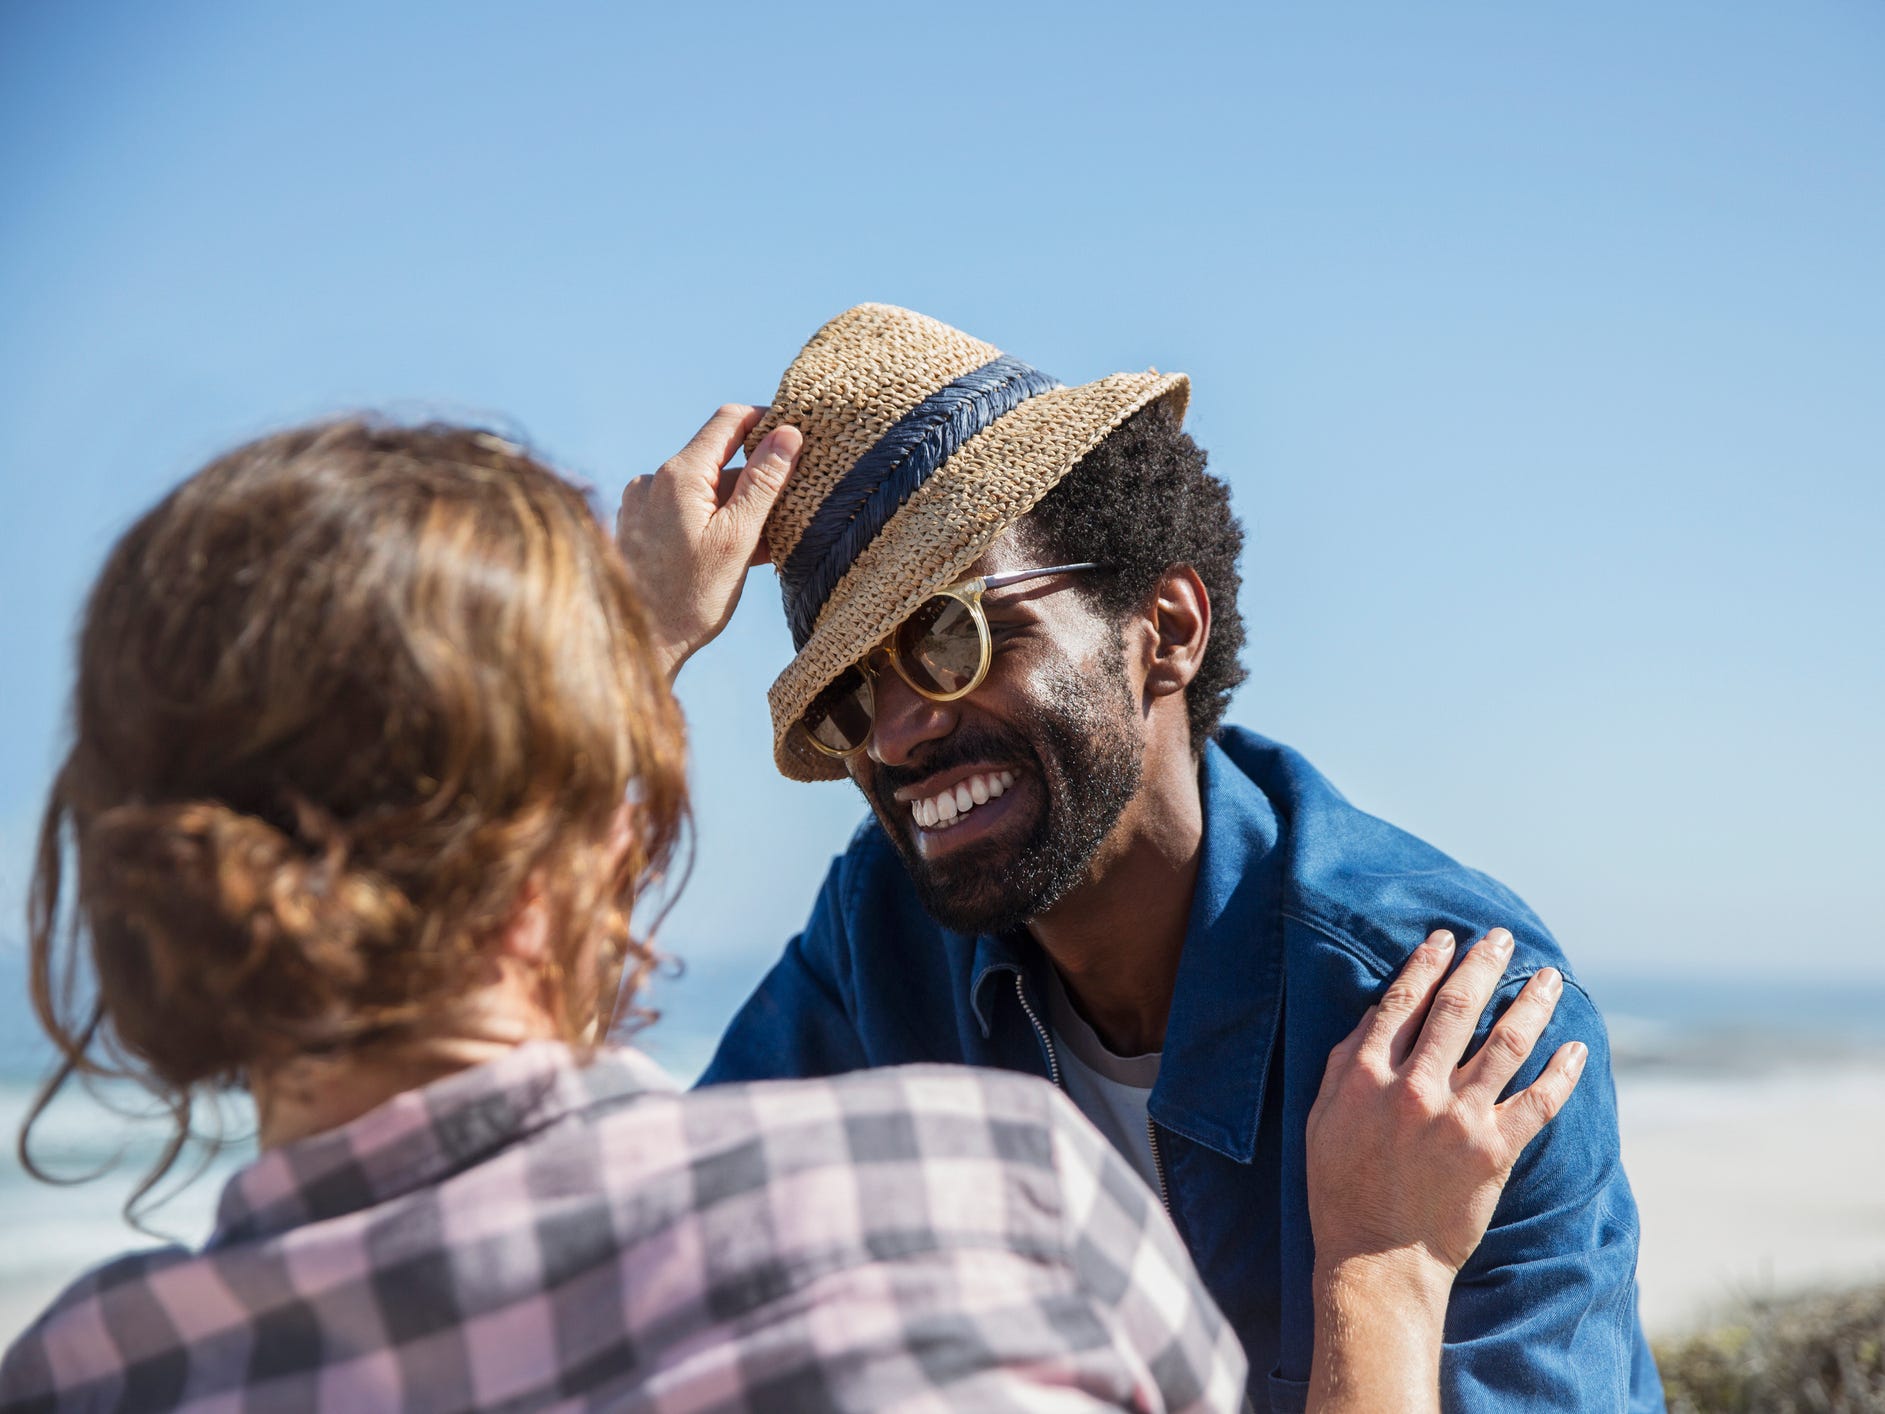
(1304, 908)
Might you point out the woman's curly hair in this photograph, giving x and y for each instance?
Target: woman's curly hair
(345, 697)
(1142, 502)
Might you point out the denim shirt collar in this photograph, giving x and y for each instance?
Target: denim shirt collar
(1228, 1001)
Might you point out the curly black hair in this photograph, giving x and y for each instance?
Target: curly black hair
(1141, 502)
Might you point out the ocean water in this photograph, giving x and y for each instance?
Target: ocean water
(1683, 1027)
(1681, 1047)
(54, 1232)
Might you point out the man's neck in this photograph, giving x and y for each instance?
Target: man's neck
(1116, 939)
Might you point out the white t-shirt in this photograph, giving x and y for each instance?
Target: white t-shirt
(1111, 1090)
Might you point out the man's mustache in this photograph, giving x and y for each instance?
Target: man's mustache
(966, 746)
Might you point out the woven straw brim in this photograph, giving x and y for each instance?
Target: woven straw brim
(989, 483)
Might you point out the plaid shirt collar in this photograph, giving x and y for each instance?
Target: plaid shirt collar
(422, 1136)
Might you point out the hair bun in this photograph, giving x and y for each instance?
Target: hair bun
(251, 943)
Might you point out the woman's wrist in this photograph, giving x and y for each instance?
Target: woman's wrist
(1379, 1321)
(1411, 1277)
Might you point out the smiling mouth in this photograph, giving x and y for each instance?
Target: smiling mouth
(949, 807)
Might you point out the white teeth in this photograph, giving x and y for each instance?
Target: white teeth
(944, 808)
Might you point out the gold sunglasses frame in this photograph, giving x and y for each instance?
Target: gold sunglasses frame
(968, 593)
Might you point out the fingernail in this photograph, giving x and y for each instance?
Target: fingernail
(1501, 942)
(779, 437)
(1443, 941)
(1579, 1054)
(1550, 981)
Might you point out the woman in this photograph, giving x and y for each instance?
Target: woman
(372, 753)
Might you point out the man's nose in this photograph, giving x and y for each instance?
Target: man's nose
(905, 720)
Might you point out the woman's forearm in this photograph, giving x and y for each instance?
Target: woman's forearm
(1379, 1322)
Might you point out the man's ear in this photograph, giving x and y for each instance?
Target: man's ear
(1180, 617)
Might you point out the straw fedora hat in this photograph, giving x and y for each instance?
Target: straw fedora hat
(921, 446)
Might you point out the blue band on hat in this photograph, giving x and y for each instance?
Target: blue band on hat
(884, 478)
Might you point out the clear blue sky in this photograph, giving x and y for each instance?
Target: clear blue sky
(1543, 345)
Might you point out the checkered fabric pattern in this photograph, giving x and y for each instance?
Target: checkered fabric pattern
(541, 1233)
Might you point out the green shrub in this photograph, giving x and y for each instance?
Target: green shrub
(1822, 1353)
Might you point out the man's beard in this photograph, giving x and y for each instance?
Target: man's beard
(1085, 755)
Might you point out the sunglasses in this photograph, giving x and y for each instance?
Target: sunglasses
(942, 651)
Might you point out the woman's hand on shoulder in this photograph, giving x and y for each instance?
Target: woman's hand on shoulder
(1408, 1150)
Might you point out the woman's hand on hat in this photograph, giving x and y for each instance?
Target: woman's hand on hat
(1409, 1150)
(692, 530)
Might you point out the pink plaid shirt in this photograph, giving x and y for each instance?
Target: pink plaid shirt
(539, 1233)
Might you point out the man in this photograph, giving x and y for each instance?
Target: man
(1015, 609)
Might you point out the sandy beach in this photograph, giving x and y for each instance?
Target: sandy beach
(1759, 1187)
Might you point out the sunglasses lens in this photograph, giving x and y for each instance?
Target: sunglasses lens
(839, 719)
(939, 647)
